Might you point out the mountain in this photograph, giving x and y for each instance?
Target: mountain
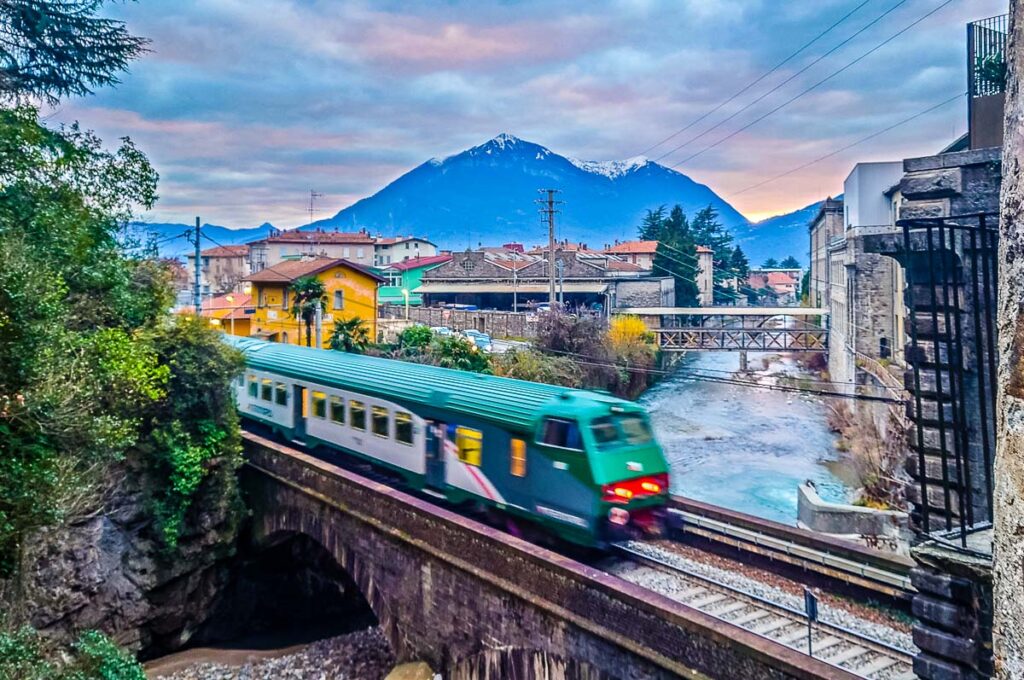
(172, 243)
(488, 194)
(778, 236)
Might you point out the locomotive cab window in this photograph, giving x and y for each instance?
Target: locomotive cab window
(604, 431)
(338, 410)
(469, 442)
(281, 394)
(379, 421)
(403, 427)
(254, 387)
(319, 404)
(562, 433)
(636, 429)
(357, 414)
(267, 389)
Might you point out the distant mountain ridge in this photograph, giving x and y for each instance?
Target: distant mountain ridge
(487, 194)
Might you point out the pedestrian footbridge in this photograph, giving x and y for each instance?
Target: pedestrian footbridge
(736, 329)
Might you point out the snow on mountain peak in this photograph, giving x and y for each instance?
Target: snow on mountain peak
(611, 169)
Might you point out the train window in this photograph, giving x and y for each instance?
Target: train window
(403, 427)
(604, 431)
(357, 414)
(281, 394)
(470, 445)
(338, 410)
(562, 433)
(517, 453)
(636, 429)
(379, 421)
(254, 387)
(267, 390)
(319, 404)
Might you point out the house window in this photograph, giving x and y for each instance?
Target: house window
(338, 410)
(470, 445)
(561, 433)
(379, 421)
(357, 415)
(339, 299)
(517, 454)
(359, 253)
(284, 299)
(393, 278)
(261, 297)
(403, 427)
(346, 251)
(319, 404)
(281, 394)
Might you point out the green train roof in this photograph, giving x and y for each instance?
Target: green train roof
(515, 403)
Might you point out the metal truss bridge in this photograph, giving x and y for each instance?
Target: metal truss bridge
(736, 329)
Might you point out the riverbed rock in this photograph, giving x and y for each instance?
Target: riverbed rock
(417, 670)
(108, 572)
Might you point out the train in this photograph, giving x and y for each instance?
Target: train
(573, 464)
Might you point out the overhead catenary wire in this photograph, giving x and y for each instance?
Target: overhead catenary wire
(783, 83)
(759, 78)
(812, 87)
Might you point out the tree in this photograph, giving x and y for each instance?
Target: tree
(790, 263)
(56, 48)
(457, 352)
(770, 263)
(676, 254)
(415, 338)
(350, 336)
(309, 294)
(652, 225)
(739, 265)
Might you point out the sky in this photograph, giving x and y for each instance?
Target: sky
(244, 106)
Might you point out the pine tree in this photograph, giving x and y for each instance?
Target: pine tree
(56, 48)
(790, 263)
(652, 225)
(738, 263)
(770, 263)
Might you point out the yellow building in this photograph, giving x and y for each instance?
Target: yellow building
(351, 292)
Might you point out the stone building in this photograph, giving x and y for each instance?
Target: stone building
(285, 246)
(826, 227)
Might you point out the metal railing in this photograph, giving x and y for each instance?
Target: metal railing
(951, 269)
(986, 55)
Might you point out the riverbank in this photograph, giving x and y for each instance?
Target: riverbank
(734, 444)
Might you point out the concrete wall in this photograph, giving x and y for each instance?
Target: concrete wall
(864, 199)
(1008, 632)
(647, 292)
(885, 529)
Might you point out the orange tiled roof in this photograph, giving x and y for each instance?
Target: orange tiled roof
(226, 251)
(633, 247)
(286, 272)
(326, 237)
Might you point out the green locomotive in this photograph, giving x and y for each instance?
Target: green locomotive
(581, 465)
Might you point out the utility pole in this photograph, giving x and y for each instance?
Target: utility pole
(515, 283)
(548, 210)
(197, 289)
(319, 324)
(561, 282)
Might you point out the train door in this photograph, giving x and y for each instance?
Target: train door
(299, 411)
(435, 455)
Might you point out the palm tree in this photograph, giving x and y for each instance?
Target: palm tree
(350, 336)
(309, 294)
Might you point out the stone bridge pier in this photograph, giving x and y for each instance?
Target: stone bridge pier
(477, 604)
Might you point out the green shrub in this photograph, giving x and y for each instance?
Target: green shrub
(24, 655)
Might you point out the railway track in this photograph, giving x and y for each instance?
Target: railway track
(833, 644)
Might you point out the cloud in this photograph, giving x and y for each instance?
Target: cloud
(245, 105)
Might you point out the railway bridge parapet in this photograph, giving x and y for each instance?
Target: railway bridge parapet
(476, 603)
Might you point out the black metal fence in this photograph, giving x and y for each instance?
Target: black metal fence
(986, 55)
(951, 269)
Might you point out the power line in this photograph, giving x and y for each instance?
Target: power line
(759, 79)
(785, 82)
(850, 146)
(812, 87)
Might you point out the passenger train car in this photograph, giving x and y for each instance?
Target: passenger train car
(582, 465)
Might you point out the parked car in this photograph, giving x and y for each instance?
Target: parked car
(441, 330)
(481, 340)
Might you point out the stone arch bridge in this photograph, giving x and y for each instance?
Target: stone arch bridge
(478, 604)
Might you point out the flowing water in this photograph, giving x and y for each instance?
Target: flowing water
(743, 447)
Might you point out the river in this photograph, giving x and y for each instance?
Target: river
(743, 447)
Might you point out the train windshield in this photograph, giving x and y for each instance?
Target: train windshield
(612, 431)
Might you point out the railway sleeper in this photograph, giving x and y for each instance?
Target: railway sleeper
(709, 599)
(751, 617)
(879, 664)
(730, 608)
(772, 626)
(849, 654)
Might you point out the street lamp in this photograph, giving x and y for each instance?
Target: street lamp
(405, 294)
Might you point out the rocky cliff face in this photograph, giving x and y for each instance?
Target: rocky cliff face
(109, 572)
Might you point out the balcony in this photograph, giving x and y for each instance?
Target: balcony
(986, 80)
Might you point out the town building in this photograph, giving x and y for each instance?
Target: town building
(221, 269)
(231, 313)
(401, 278)
(351, 292)
(286, 246)
(640, 253)
(782, 284)
(826, 228)
(391, 249)
(508, 280)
